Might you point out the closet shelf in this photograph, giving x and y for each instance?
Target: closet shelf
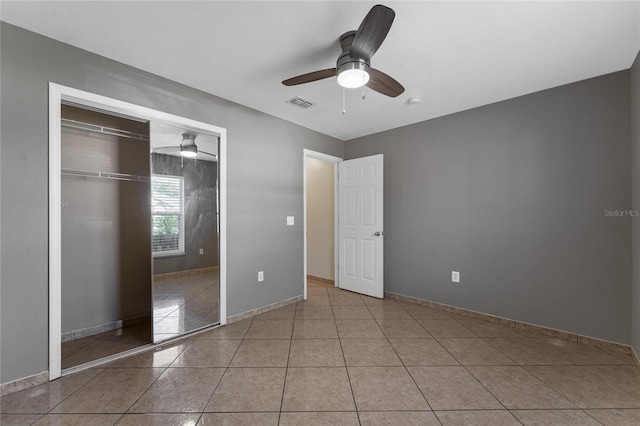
(104, 175)
(72, 124)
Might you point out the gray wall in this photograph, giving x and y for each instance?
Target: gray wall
(513, 195)
(264, 184)
(635, 188)
(200, 180)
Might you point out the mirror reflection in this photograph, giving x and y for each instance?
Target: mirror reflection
(184, 194)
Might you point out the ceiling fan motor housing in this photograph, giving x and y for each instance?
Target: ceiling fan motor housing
(346, 62)
(188, 147)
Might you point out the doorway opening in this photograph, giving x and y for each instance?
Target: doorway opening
(358, 223)
(320, 173)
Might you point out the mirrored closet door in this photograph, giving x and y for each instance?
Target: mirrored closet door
(185, 229)
(139, 233)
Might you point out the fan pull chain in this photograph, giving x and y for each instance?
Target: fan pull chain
(364, 84)
(344, 106)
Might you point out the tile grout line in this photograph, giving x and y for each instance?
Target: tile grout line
(554, 409)
(554, 388)
(590, 415)
(225, 370)
(74, 392)
(286, 369)
(404, 365)
(119, 418)
(466, 369)
(346, 367)
(156, 379)
(481, 384)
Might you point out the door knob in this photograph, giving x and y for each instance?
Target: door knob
(378, 233)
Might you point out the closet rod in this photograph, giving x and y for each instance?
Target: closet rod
(104, 175)
(104, 130)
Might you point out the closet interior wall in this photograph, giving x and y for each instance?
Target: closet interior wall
(106, 227)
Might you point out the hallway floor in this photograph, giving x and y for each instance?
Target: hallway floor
(344, 359)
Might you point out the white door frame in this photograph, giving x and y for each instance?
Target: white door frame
(57, 94)
(307, 153)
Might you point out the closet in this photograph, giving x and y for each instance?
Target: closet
(139, 240)
(106, 242)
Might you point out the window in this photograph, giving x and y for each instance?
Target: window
(167, 209)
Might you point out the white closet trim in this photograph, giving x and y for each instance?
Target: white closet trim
(59, 94)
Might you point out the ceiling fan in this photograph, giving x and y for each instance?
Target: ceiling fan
(187, 149)
(353, 68)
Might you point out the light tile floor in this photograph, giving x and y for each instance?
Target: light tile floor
(180, 304)
(185, 303)
(344, 359)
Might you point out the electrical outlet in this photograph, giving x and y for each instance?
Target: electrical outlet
(290, 220)
(260, 276)
(455, 276)
(201, 251)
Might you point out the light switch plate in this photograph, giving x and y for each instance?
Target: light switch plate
(290, 221)
(455, 276)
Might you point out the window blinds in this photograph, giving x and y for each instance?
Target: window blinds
(167, 206)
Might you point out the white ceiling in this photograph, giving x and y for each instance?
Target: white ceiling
(456, 55)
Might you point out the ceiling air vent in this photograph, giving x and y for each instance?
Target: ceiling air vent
(299, 102)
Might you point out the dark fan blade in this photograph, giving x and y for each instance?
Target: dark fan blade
(312, 76)
(372, 32)
(382, 83)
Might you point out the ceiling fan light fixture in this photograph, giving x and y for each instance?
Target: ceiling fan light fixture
(353, 75)
(188, 147)
(189, 151)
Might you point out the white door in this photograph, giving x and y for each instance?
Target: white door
(360, 232)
